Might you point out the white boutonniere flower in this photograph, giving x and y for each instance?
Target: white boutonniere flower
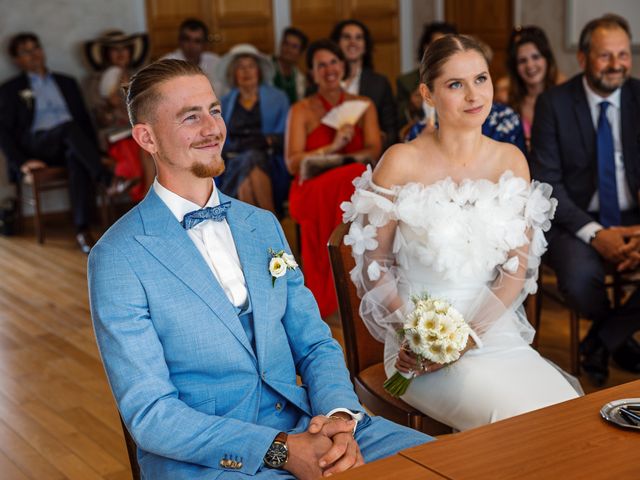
(279, 264)
(27, 96)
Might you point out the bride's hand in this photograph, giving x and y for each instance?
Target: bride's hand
(408, 362)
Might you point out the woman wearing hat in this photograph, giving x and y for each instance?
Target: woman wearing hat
(256, 115)
(116, 56)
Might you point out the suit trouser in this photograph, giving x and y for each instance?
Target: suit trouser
(69, 145)
(581, 279)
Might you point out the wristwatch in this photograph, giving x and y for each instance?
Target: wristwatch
(278, 453)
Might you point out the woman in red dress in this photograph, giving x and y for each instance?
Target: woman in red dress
(315, 202)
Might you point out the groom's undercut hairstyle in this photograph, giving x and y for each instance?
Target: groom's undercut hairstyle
(608, 21)
(439, 52)
(142, 91)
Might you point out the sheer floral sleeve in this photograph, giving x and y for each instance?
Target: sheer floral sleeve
(481, 231)
(517, 277)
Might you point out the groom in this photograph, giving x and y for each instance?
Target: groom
(200, 345)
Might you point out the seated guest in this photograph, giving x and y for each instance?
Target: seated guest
(532, 70)
(116, 56)
(408, 98)
(44, 122)
(315, 202)
(256, 116)
(585, 144)
(193, 37)
(288, 77)
(200, 341)
(354, 39)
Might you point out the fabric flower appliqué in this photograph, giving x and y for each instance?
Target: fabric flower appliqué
(361, 238)
(280, 262)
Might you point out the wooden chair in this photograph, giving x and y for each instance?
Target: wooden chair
(132, 451)
(46, 179)
(615, 282)
(364, 353)
(40, 180)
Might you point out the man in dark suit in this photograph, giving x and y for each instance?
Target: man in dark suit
(586, 144)
(44, 122)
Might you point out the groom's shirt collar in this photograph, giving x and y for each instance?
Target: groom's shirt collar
(180, 206)
(214, 241)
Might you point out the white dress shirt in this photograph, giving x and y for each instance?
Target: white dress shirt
(625, 199)
(214, 242)
(354, 86)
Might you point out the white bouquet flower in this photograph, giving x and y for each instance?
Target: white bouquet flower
(434, 331)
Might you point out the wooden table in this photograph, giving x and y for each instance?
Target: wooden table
(395, 466)
(565, 441)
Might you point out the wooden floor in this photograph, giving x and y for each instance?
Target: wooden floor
(57, 416)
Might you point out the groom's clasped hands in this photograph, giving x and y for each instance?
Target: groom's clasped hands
(325, 448)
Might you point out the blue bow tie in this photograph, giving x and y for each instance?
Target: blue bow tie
(217, 214)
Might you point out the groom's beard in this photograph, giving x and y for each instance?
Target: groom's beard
(210, 170)
(215, 167)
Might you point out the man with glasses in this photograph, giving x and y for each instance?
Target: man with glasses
(44, 122)
(193, 38)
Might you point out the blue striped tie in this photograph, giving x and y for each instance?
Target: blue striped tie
(607, 188)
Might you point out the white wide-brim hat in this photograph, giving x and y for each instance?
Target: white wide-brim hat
(95, 51)
(264, 63)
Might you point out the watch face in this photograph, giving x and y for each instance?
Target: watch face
(277, 455)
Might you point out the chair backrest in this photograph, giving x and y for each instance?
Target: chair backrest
(362, 349)
(132, 449)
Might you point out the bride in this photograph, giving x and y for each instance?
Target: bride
(454, 214)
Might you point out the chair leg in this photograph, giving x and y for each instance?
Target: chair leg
(415, 421)
(574, 335)
(19, 202)
(37, 215)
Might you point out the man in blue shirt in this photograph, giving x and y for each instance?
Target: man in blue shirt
(44, 122)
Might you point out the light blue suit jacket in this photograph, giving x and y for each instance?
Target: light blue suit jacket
(185, 377)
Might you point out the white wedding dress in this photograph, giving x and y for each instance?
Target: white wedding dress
(476, 244)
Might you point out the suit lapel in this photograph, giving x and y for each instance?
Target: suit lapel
(585, 125)
(254, 259)
(168, 242)
(629, 136)
(25, 84)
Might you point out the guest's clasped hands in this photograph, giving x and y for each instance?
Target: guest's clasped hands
(620, 246)
(327, 447)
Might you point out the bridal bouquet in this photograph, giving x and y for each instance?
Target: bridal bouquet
(434, 331)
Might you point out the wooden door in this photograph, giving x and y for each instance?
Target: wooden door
(165, 16)
(229, 21)
(317, 17)
(490, 21)
(243, 21)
